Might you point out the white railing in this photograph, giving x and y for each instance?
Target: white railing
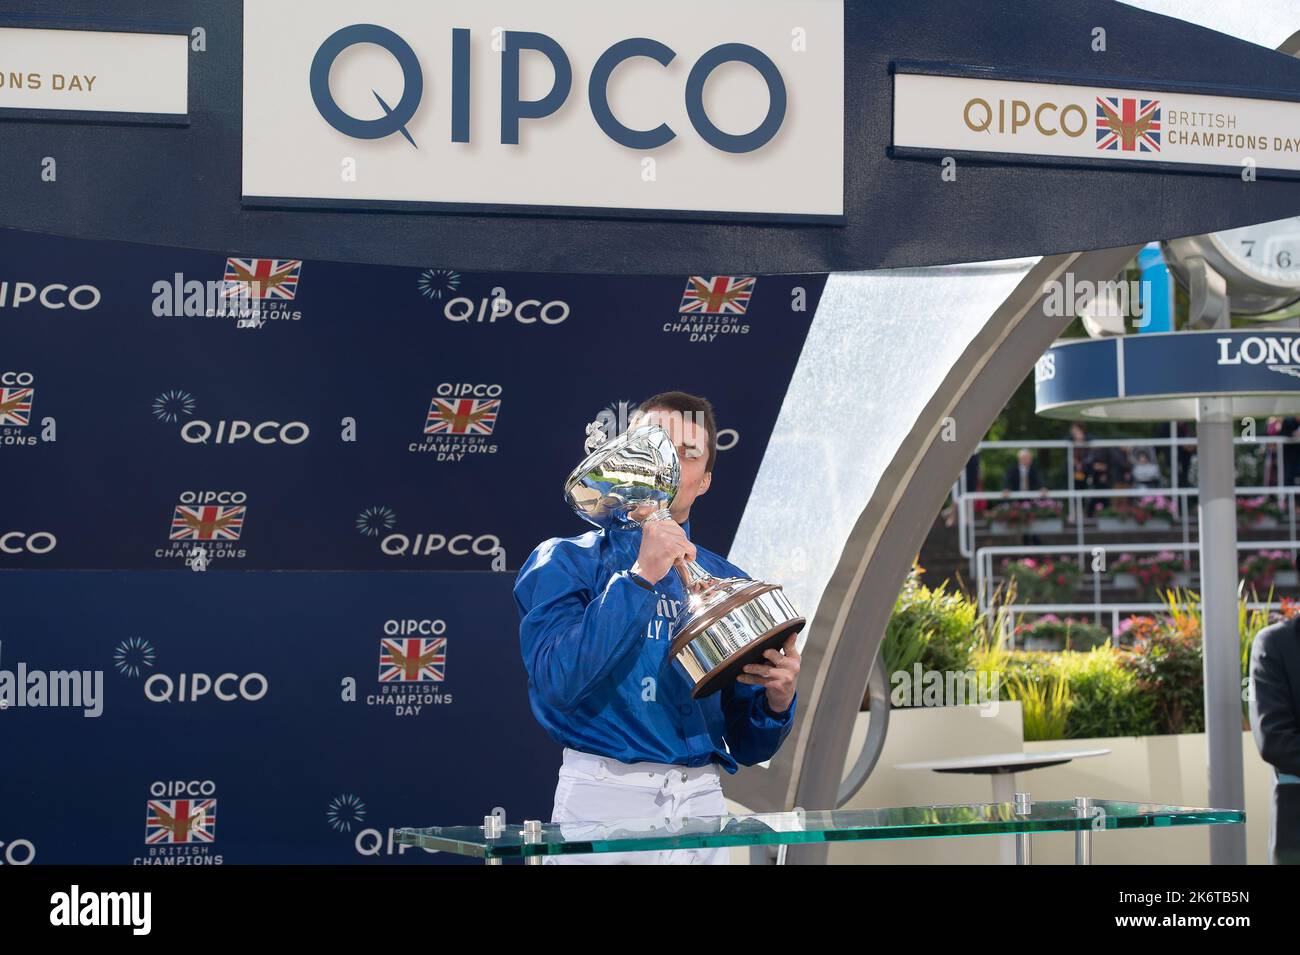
(1077, 502)
(1112, 610)
(987, 589)
(1074, 509)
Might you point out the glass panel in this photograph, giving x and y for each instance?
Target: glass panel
(841, 825)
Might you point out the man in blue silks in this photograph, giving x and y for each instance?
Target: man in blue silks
(595, 614)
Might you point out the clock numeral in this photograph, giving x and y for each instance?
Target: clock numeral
(1250, 246)
(1284, 259)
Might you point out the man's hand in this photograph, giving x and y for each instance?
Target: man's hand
(662, 542)
(779, 676)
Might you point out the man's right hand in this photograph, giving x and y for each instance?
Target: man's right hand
(662, 543)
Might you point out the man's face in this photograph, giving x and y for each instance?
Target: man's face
(691, 439)
(1025, 459)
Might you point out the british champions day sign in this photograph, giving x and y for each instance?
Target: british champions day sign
(692, 106)
(1078, 124)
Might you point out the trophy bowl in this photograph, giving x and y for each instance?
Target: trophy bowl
(727, 622)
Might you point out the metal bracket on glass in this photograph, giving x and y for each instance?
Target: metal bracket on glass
(494, 826)
(1083, 837)
(1023, 806)
(532, 835)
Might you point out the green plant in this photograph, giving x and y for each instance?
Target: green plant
(1166, 660)
(931, 626)
(1107, 697)
(1044, 702)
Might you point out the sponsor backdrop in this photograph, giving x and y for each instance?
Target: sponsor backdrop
(766, 137)
(378, 449)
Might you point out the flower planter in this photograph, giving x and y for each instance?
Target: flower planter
(1286, 578)
(1128, 524)
(1043, 644)
(1265, 523)
(1050, 525)
(1128, 581)
(1181, 580)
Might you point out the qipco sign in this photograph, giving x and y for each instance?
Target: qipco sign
(505, 102)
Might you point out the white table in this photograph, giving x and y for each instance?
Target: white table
(1002, 769)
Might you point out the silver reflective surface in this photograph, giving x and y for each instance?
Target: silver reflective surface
(735, 631)
(638, 467)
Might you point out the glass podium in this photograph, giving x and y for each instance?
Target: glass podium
(496, 841)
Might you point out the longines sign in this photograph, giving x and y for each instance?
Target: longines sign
(1098, 124)
(74, 71)
(1158, 376)
(690, 106)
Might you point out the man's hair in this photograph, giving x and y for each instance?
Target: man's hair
(693, 408)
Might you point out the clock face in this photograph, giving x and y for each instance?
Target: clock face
(1268, 253)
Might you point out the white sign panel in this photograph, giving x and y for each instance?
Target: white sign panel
(94, 71)
(686, 105)
(1094, 122)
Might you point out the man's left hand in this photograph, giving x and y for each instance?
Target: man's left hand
(778, 675)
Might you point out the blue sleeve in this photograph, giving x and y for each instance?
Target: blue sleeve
(754, 733)
(572, 638)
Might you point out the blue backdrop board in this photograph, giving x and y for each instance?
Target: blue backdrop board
(354, 419)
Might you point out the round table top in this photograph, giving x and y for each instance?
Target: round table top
(1002, 762)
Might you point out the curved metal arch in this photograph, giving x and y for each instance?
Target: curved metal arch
(854, 609)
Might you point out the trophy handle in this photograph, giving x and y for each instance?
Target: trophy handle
(695, 579)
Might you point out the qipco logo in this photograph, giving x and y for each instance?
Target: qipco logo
(20, 542)
(193, 788)
(192, 687)
(81, 298)
(17, 852)
(530, 311)
(514, 109)
(424, 545)
(232, 432)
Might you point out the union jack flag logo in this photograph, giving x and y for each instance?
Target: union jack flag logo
(181, 820)
(414, 660)
(262, 278)
(1128, 124)
(717, 295)
(211, 522)
(462, 416)
(16, 405)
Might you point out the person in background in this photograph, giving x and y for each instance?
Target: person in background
(1275, 724)
(1022, 475)
(1146, 472)
(1121, 462)
(1183, 431)
(1290, 452)
(1079, 452)
(1271, 429)
(1099, 474)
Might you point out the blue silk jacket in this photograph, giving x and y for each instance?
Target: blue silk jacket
(600, 678)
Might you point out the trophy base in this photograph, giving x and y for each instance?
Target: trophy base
(715, 646)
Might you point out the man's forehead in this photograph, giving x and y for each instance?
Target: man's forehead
(683, 429)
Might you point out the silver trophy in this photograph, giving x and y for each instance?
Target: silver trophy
(727, 621)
